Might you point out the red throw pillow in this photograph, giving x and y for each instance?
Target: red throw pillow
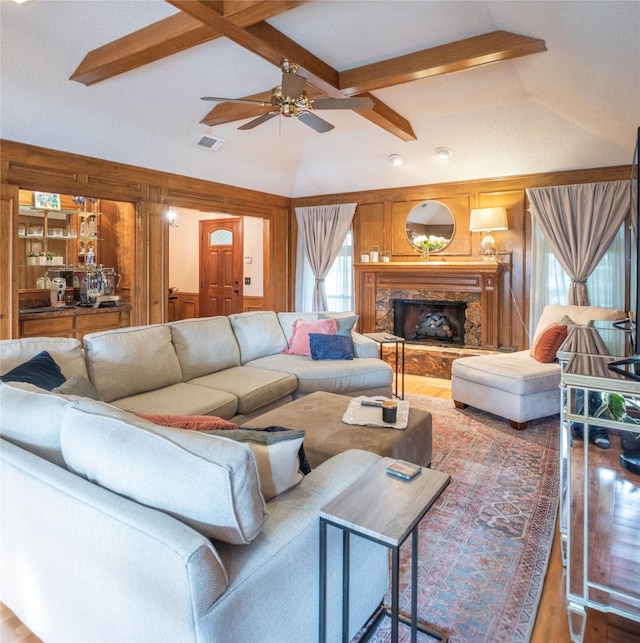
(548, 342)
(190, 422)
(300, 329)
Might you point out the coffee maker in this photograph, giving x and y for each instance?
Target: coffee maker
(57, 290)
(96, 286)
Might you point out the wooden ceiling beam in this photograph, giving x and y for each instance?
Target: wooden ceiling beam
(268, 43)
(388, 119)
(167, 37)
(455, 56)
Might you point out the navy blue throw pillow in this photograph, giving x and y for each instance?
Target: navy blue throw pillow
(330, 346)
(41, 371)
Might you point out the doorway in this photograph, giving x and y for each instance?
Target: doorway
(221, 243)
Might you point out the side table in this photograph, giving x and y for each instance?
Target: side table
(387, 338)
(386, 510)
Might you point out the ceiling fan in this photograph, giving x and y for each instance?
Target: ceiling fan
(290, 99)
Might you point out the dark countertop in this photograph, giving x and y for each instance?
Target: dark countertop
(49, 312)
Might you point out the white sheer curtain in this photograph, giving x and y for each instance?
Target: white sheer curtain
(321, 234)
(338, 283)
(550, 283)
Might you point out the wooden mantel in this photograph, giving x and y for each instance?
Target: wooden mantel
(430, 276)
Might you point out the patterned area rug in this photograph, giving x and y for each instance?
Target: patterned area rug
(484, 546)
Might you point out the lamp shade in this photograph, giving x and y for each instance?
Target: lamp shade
(487, 219)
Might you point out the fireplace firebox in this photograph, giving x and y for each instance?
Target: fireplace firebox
(424, 321)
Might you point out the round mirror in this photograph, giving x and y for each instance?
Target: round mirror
(430, 226)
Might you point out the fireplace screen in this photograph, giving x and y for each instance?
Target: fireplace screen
(429, 322)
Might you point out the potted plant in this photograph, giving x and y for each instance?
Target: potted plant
(42, 258)
(32, 258)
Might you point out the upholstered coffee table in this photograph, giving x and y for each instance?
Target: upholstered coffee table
(320, 415)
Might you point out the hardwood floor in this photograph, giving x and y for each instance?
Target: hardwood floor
(551, 623)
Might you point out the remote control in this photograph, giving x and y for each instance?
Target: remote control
(371, 403)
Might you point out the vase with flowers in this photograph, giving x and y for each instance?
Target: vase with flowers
(428, 244)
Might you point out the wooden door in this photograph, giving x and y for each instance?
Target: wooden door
(221, 267)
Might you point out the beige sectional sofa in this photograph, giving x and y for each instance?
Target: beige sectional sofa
(232, 367)
(115, 529)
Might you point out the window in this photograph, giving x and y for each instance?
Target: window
(338, 283)
(550, 283)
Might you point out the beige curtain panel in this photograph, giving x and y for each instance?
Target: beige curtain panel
(323, 229)
(579, 222)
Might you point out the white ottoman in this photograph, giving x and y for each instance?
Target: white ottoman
(516, 386)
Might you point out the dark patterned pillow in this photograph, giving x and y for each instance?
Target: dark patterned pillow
(330, 346)
(41, 371)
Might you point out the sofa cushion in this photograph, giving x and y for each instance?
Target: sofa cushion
(66, 352)
(253, 387)
(205, 345)
(32, 419)
(547, 343)
(258, 334)
(299, 341)
(330, 346)
(346, 321)
(78, 385)
(329, 375)
(181, 399)
(210, 483)
(276, 450)
(132, 360)
(286, 321)
(41, 371)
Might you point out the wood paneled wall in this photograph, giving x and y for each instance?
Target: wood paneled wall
(380, 221)
(143, 251)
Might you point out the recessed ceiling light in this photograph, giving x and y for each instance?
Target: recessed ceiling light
(22, 1)
(444, 153)
(396, 160)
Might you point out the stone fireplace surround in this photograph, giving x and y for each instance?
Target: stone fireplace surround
(475, 283)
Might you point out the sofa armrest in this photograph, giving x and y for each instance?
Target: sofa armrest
(363, 346)
(93, 554)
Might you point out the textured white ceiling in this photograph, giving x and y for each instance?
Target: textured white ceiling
(574, 106)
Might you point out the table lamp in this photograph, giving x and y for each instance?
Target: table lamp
(487, 220)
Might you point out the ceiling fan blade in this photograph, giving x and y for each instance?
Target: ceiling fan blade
(343, 103)
(292, 84)
(258, 121)
(234, 100)
(315, 122)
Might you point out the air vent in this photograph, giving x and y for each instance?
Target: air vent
(209, 142)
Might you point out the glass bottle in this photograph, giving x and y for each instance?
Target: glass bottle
(92, 227)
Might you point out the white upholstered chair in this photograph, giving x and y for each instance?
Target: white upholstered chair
(516, 386)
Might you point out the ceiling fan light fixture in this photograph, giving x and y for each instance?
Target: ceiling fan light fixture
(444, 153)
(396, 160)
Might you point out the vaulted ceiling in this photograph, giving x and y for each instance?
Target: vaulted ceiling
(509, 87)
